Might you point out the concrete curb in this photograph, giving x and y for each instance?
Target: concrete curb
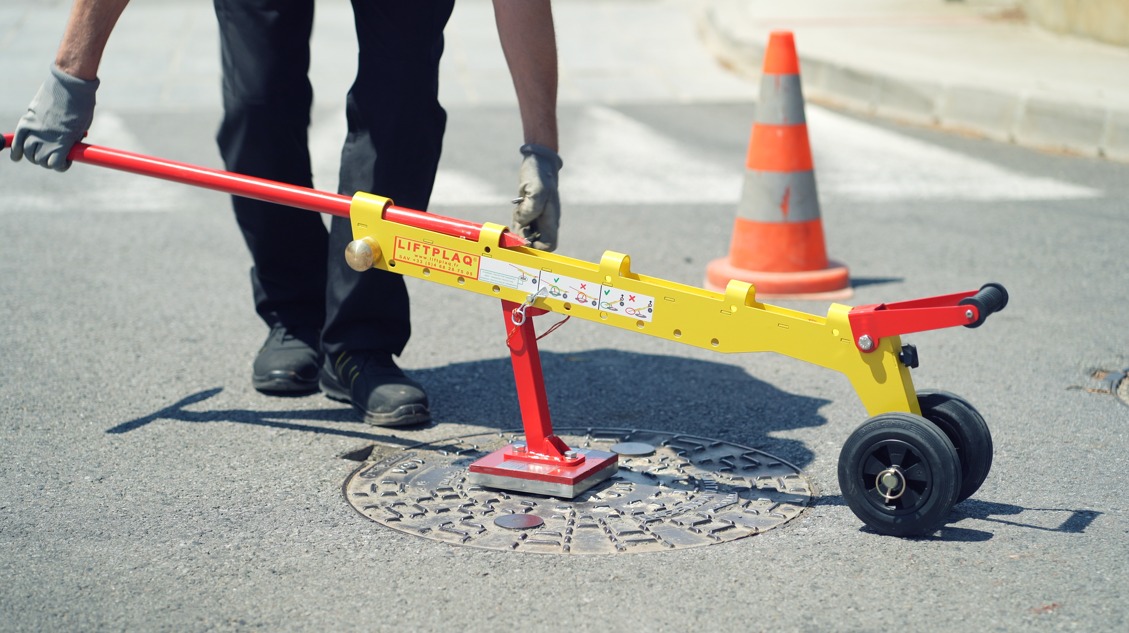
(1027, 120)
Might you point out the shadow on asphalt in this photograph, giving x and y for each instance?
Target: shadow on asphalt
(271, 419)
(1061, 520)
(859, 282)
(593, 389)
(606, 388)
(609, 388)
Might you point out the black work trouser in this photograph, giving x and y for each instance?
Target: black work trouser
(395, 132)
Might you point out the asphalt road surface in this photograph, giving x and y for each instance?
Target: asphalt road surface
(144, 485)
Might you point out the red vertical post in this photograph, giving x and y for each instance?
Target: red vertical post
(544, 464)
(534, 404)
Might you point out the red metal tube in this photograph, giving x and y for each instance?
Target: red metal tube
(445, 225)
(227, 182)
(267, 190)
(532, 399)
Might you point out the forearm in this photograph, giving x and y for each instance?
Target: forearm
(84, 40)
(525, 28)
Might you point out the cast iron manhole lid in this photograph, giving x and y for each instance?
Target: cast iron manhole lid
(687, 492)
(1115, 383)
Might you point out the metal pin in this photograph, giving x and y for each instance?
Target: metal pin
(518, 316)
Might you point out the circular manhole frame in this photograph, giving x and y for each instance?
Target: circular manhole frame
(690, 492)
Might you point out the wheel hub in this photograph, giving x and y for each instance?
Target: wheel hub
(890, 483)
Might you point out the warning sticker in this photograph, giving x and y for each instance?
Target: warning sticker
(509, 275)
(435, 257)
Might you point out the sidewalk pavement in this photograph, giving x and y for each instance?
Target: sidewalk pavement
(972, 66)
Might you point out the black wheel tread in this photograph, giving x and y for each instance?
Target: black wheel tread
(968, 432)
(935, 466)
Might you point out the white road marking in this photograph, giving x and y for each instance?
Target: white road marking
(857, 161)
(614, 159)
(88, 188)
(617, 160)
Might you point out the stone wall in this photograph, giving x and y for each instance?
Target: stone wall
(1102, 20)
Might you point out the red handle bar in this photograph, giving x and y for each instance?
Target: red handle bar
(266, 190)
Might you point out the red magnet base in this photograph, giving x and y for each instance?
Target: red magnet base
(508, 469)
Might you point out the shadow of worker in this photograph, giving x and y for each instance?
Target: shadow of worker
(609, 388)
(598, 389)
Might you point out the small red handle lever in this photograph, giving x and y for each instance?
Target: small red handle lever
(872, 322)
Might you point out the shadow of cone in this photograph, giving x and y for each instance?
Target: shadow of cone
(778, 243)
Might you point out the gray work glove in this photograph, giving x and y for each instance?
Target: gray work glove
(57, 118)
(537, 215)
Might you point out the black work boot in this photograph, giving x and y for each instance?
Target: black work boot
(288, 362)
(378, 390)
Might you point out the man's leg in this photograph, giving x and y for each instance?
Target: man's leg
(395, 135)
(267, 98)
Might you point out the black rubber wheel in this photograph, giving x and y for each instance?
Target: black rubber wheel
(899, 474)
(968, 432)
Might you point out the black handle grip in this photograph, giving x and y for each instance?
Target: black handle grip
(991, 297)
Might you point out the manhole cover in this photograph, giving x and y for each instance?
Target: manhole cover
(688, 492)
(1115, 383)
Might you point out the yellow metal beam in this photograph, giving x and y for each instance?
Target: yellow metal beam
(609, 292)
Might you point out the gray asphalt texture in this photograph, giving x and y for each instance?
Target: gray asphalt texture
(144, 485)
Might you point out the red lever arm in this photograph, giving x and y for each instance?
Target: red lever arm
(266, 190)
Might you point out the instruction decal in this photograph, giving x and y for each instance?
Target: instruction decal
(447, 260)
(578, 292)
(631, 304)
(570, 289)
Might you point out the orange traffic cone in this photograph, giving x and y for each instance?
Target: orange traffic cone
(778, 236)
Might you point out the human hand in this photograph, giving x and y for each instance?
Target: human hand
(537, 215)
(56, 119)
